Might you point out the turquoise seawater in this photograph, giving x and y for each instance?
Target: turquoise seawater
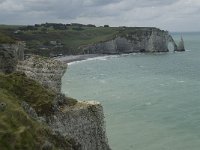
(151, 101)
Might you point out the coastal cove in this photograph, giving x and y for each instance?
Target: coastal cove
(151, 101)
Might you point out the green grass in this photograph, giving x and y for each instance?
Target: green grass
(73, 40)
(17, 130)
(28, 90)
(6, 39)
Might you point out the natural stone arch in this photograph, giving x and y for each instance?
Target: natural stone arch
(170, 47)
(171, 43)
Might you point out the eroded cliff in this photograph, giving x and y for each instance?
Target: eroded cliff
(140, 40)
(48, 72)
(82, 121)
(9, 55)
(22, 103)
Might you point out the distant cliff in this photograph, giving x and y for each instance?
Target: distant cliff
(140, 40)
(76, 39)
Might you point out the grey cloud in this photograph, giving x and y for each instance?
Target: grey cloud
(167, 14)
(1, 1)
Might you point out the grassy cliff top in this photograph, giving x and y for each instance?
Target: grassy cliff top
(25, 89)
(17, 130)
(66, 39)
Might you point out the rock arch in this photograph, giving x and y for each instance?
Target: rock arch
(171, 41)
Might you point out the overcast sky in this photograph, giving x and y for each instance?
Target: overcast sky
(172, 15)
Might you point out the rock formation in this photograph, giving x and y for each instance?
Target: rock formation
(8, 61)
(48, 72)
(22, 103)
(83, 122)
(141, 40)
(9, 55)
(181, 46)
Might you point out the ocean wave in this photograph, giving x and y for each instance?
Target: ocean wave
(102, 58)
(106, 57)
(180, 81)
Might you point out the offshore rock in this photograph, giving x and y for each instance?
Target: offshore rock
(141, 40)
(84, 122)
(46, 71)
(181, 46)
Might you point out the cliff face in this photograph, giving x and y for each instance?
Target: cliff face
(181, 46)
(84, 122)
(22, 101)
(147, 40)
(8, 61)
(46, 71)
(9, 55)
(81, 121)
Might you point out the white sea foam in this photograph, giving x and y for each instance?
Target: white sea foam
(102, 81)
(103, 58)
(148, 103)
(180, 81)
(162, 84)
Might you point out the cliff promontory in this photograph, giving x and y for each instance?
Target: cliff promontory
(140, 40)
(35, 115)
(74, 39)
(82, 121)
(22, 103)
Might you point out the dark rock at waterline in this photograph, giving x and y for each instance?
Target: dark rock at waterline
(181, 46)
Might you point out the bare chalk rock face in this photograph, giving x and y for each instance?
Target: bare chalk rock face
(8, 60)
(9, 55)
(84, 122)
(48, 72)
(141, 40)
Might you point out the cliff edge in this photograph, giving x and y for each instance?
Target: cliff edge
(82, 121)
(134, 41)
(35, 115)
(77, 39)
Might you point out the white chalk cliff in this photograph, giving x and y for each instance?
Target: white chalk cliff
(83, 122)
(141, 40)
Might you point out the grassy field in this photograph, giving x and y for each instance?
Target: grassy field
(69, 40)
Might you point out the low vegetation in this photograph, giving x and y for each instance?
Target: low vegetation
(51, 39)
(17, 130)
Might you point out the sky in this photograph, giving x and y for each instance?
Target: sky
(172, 15)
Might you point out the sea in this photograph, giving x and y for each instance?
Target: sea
(150, 101)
